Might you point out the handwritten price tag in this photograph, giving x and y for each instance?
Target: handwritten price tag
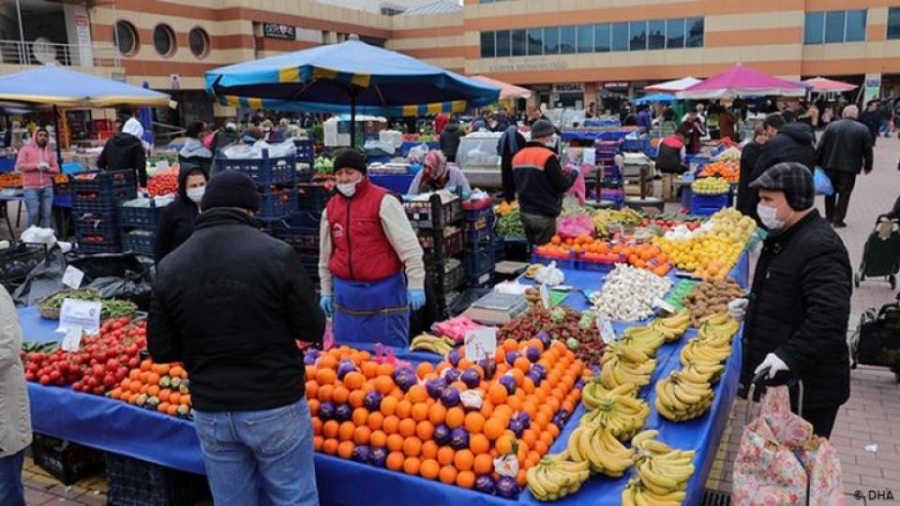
(481, 344)
(665, 306)
(607, 332)
(73, 277)
(545, 296)
(72, 341)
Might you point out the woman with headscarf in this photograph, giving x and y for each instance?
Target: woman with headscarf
(437, 174)
(194, 152)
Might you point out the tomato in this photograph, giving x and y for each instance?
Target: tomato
(45, 379)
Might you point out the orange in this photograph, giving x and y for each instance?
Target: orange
(395, 442)
(493, 428)
(521, 478)
(404, 408)
(479, 443)
(325, 392)
(429, 469)
(134, 374)
(152, 390)
(354, 380)
(417, 393)
(522, 364)
(345, 449)
(317, 426)
(146, 365)
(152, 379)
(445, 455)
(326, 361)
(529, 437)
(429, 449)
(504, 444)
(465, 479)
(436, 413)
(447, 475)
(424, 430)
(326, 376)
(395, 461)
(388, 406)
(455, 417)
(172, 410)
(407, 427)
(345, 431)
(419, 411)
(330, 446)
(340, 395)
(330, 429)
(385, 370)
(483, 464)
(357, 398)
(474, 422)
(510, 345)
(369, 369)
(412, 465)
(424, 368)
(360, 416)
(378, 439)
(497, 394)
(464, 460)
(412, 447)
(384, 384)
(317, 443)
(177, 371)
(540, 448)
(312, 403)
(487, 408)
(391, 424)
(362, 434)
(375, 420)
(553, 431)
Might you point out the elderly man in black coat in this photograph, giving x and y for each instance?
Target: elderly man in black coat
(799, 304)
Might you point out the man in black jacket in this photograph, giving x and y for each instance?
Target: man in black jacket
(871, 119)
(176, 220)
(799, 305)
(450, 138)
(510, 143)
(787, 143)
(125, 150)
(230, 303)
(844, 151)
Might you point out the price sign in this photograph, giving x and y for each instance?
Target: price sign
(665, 306)
(73, 277)
(79, 314)
(607, 332)
(545, 296)
(72, 341)
(481, 344)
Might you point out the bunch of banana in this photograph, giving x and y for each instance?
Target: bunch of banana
(683, 396)
(662, 470)
(623, 351)
(554, 478)
(636, 494)
(594, 393)
(712, 372)
(703, 351)
(673, 326)
(646, 339)
(617, 371)
(720, 327)
(532, 270)
(598, 446)
(433, 344)
(622, 414)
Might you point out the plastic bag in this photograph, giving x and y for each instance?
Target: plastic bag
(822, 183)
(45, 279)
(120, 276)
(39, 235)
(550, 275)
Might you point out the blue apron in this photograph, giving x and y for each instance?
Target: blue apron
(371, 312)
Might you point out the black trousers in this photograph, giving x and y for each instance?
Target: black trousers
(837, 203)
(539, 229)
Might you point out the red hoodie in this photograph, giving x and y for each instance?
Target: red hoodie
(27, 162)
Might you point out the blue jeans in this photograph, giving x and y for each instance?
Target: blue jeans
(12, 493)
(276, 445)
(39, 203)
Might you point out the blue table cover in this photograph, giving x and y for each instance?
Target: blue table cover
(397, 183)
(593, 135)
(147, 435)
(408, 145)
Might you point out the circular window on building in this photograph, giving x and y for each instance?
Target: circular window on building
(126, 38)
(164, 40)
(199, 42)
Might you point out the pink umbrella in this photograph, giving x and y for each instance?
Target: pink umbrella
(507, 91)
(673, 86)
(822, 85)
(743, 81)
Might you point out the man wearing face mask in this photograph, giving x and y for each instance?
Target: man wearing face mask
(176, 221)
(799, 304)
(370, 262)
(540, 183)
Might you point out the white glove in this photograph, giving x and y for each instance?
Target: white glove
(43, 166)
(738, 309)
(773, 363)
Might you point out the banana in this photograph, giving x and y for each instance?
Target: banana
(553, 483)
(534, 485)
(574, 446)
(642, 436)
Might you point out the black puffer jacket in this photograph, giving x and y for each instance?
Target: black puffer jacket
(230, 303)
(799, 308)
(176, 220)
(747, 197)
(450, 140)
(124, 151)
(845, 146)
(540, 192)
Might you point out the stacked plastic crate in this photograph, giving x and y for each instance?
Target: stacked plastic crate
(439, 226)
(95, 199)
(138, 221)
(479, 234)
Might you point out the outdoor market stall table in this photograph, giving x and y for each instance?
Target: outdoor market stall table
(150, 436)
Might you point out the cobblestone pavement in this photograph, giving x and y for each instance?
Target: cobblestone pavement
(872, 416)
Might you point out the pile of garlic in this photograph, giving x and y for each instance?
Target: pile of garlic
(629, 292)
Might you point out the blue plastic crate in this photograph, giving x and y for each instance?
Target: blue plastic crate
(104, 182)
(564, 263)
(479, 260)
(498, 244)
(705, 205)
(139, 242)
(306, 151)
(635, 145)
(587, 265)
(477, 231)
(453, 244)
(94, 201)
(483, 279)
(301, 238)
(98, 243)
(95, 222)
(277, 204)
(479, 214)
(142, 217)
(313, 197)
(264, 171)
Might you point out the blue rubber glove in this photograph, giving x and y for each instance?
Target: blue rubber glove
(465, 195)
(576, 171)
(416, 299)
(325, 302)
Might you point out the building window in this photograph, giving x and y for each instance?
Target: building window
(602, 36)
(551, 40)
(893, 24)
(503, 47)
(834, 27)
(674, 33)
(198, 39)
(164, 40)
(535, 41)
(126, 38)
(519, 43)
(586, 39)
(638, 36)
(695, 32)
(620, 37)
(567, 40)
(487, 45)
(656, 34)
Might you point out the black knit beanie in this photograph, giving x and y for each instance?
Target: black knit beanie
(231, 189)
(350, 159)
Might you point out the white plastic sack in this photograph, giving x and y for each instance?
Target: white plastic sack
(241, 152)
(511, 287)
(550, 275)
(39, 235)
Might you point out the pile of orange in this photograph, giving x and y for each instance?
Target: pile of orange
(160, 387)
(645, 256)
(406, 430)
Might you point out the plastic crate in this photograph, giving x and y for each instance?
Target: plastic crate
(98, 243)
(264, 171)
(562, 263)
(277, 204)
(477, 231)
(706, 205)
(138, 241)
(420, 213)
(499, 248)
(484, 279)
(65, 461)
(17, 261)
(452, 279)
(134, 482)
(306, 151)
(594, 266)
(453, 244)
(143, 217)
(487, 211)
(95, 222)
(301, 238)
(635, 145)
(479, 260)
(313, 197)
(100, 201)
(104, 181)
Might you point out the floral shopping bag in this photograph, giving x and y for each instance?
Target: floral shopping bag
(823, 467)
(767, 470)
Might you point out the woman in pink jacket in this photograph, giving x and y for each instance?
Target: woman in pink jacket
(38, 165)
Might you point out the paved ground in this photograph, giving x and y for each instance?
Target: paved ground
(872, 416)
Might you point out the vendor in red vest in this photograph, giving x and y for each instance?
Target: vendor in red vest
(370, 260)
(672, 154)
(540, 183)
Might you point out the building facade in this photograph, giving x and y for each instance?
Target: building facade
(570, 52)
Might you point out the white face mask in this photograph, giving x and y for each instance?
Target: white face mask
(196, 194)
(347, 189)
(769, 217)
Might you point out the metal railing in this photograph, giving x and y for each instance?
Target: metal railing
(14, 52)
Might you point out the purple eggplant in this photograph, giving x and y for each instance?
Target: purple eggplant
(511, 357)
(406, 381)
(509, 382)
(544, 338)
(343, 412)
(344, 368)
(533, 354)
(454, 357)
(516, 426)
(361, 454)
(435, 387)
(451, 375)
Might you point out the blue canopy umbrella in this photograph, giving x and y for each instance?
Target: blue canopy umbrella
(656, 97)
(350, 76)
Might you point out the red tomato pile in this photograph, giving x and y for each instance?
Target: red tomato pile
(102, 361)
(164, 183)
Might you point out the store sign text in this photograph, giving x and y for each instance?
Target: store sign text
(568, 88)
(279, 31)
(530, 65)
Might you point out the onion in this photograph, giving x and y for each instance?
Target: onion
(508, 488)
(485, 484)
(459, 439)
(450, 397)
(326, 411)
(441, 434)
(471, 377)
(372, 400)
